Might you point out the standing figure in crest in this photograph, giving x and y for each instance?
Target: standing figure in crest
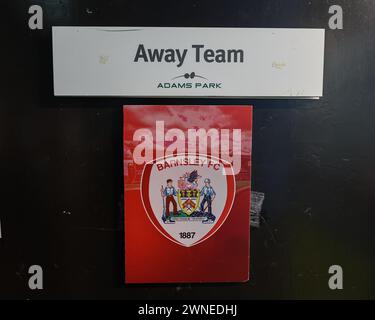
(169, 192)
(209, 195)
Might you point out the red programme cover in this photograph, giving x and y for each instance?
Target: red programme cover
(187, 193)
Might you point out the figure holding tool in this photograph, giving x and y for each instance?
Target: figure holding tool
(169, 192)
(209, 195)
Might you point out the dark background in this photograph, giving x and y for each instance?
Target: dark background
(61, 159)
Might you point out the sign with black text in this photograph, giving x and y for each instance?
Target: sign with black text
(190, 62)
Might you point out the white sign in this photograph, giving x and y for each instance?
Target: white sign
(189, 62)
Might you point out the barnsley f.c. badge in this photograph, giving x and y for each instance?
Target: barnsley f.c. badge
(188, 197)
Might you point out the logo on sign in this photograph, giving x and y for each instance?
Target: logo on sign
(188, 197)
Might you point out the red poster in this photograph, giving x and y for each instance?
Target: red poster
(187, 193)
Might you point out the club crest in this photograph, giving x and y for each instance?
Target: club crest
(188, 197)
(188, 193)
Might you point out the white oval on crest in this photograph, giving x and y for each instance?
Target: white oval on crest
(188, 197)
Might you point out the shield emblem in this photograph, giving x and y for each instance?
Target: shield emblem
(188, 197)
(188, 200)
